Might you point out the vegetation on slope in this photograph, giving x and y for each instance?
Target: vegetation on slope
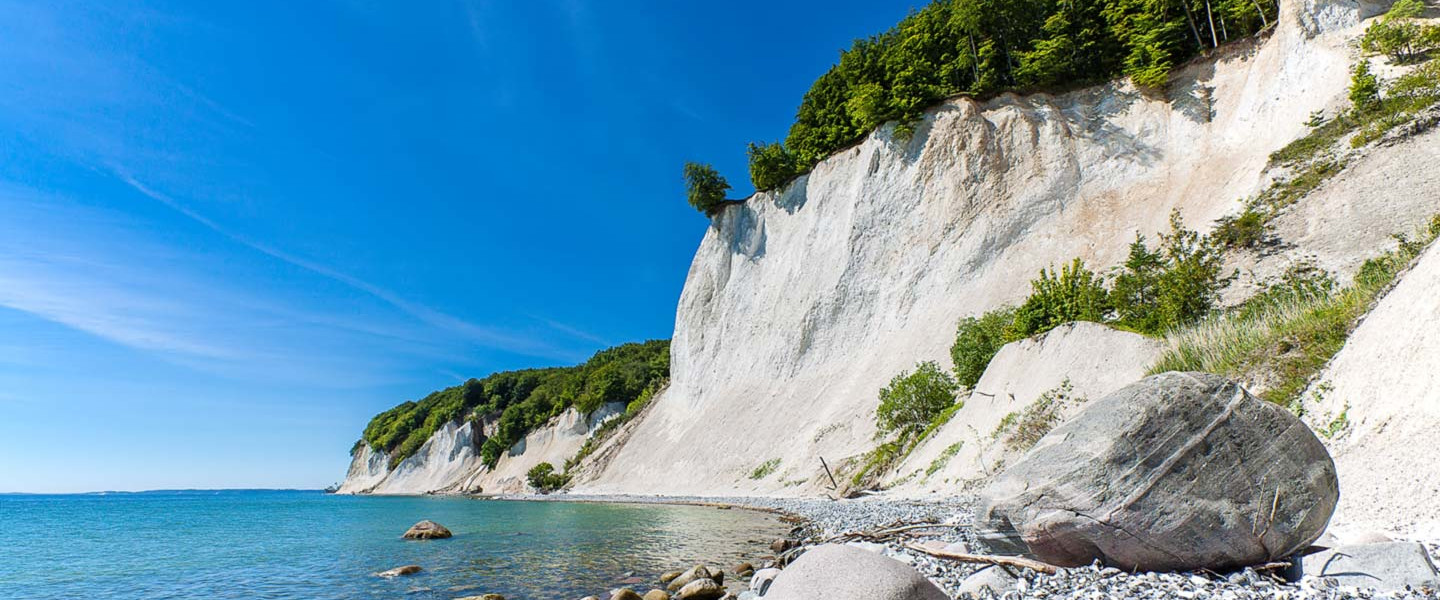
(1284, 336)
(983, 47)
(521, 401)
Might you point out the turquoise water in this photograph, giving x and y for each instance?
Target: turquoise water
(288, 544)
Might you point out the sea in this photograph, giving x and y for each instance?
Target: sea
(256, 544)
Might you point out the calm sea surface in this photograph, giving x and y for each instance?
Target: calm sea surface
(288, 544)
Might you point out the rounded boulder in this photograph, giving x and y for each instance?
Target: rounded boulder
(1176, 472)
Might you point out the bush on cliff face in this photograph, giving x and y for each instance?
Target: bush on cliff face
(705, 188)
(912, 400)
(544, 479)
(771, 166)
(1173, 285)
(1074, 294)
(976, 342)
(1399, 36)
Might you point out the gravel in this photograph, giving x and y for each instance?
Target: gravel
(826, 518)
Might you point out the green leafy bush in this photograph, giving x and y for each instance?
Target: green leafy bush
(976, 342)
(1246, 230)
(705, 188)
(765, 469)
(1073, 294)
(544, 479)
(771, 166)
(912, 400)
(1022, 430)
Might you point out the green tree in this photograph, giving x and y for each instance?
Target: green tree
(1073, 294)
(1175, 284)
(771, 166)
(912, 400)
(1364, 87)
(976, 342)
(705, 188)
(1397, 35)
(544, 479)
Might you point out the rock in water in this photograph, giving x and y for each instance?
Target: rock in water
(837, 572)
(625, 594)
(400, 571)
(427, 530)
(1175, 472)
(657, 595)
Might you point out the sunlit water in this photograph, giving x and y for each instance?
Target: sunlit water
(285, 544)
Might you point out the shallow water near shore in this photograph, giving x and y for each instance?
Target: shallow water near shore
(300, 544)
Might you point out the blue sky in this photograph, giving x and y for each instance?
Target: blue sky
(230, 233)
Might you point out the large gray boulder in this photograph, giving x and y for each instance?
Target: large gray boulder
(836, 572)
(1175, 472)
(1390, 566)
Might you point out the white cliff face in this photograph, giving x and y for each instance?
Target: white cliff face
(449, 462)
(1386, 383)
(800, 305)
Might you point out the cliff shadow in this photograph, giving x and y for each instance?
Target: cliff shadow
(795, 195)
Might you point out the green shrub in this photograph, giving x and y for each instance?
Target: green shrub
(1364, 87)
(977, 341)
(1073, 294)
(912, 400)
(705, 188)
(1398, 36)
(944, 458)
(771, 166)
(1023, 429)
(1246, 230)
(1173, 285)
(544, 479)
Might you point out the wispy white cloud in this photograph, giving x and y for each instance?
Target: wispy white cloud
(488, 336)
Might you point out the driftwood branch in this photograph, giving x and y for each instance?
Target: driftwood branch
(833, 485)
(1007, 561)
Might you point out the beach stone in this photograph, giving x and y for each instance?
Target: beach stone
(760, 582)
(994, 579)
(839, 572)
(1176, 472)
(781, 545)
(747, 595)
(483, 597)
(701, 589)
(400, 571)
(591, 598)
(743, 569)
(697, 572)
(625, 594)
(1387, 566)
(670, 576)
(427, 530)
(657, 595)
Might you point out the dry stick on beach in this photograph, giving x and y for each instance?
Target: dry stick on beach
(833, 485)
(1007, 561)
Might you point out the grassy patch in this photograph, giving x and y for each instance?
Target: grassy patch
(609, 428)
(1282, 340)
(1023, 429)
(765, 469)
(1338, 425)
(944, 458)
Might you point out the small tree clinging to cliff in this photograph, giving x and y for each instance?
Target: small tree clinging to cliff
(705, 187)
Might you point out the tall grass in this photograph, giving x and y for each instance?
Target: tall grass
(1282, 340)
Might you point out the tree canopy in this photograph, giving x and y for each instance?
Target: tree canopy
(983, 47)
(705, 188)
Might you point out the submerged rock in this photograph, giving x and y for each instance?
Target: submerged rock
(427, 530)
(1390, 566)
(837, 572)
(400, 571)
(657, 595)
(1179, 471)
